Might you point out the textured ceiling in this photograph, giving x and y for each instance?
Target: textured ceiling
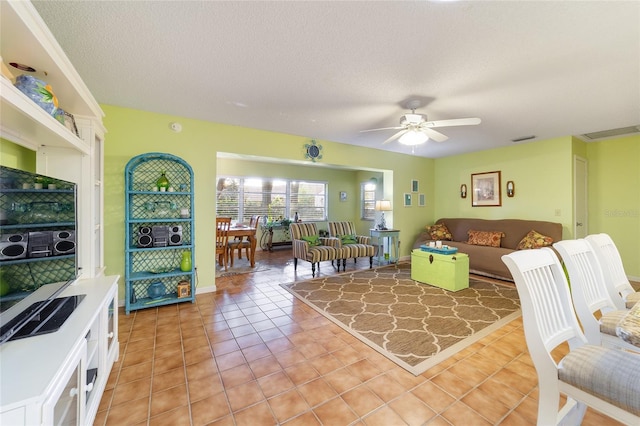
(329, 69)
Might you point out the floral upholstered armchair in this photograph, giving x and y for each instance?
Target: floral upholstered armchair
(308, 245)
(354, 245)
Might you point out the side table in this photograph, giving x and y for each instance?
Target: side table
(393, 240)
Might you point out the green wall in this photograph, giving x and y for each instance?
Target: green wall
(133, 132)
(542, 172)
(614, 196)
(16, 156)
(543, 176)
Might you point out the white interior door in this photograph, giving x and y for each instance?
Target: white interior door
(580, 210)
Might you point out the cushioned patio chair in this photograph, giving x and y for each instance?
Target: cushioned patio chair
(355, 245)
(620, 290)
(607, 380)
(598, 314)
(308, 245)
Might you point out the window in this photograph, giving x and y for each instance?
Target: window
(368, 201)
(241, 198)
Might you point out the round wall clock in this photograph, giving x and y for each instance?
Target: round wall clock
(313, 151)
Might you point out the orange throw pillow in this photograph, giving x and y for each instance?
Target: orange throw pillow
(485, 238)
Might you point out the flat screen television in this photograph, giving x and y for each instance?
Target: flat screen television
(38, 258)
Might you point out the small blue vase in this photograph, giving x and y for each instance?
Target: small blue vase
(156, 290)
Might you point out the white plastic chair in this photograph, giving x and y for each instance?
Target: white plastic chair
(620, 290)
(608, 380)
(598, 314)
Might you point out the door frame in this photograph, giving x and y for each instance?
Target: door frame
(580, 203)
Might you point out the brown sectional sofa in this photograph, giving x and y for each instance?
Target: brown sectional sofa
(485, 260)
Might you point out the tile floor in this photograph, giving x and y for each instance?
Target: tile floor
(252, 354)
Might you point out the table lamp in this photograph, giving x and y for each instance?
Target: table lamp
(382, 206)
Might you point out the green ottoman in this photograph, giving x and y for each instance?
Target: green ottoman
(448, 271)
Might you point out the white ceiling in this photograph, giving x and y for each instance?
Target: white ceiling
(329, 69)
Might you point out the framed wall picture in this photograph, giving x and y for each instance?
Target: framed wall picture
(70, 123)
(485, 189)
(421, 200)
(407, 199)
(343, 196)
(414, 185)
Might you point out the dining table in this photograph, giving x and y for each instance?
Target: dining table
(242, 231)
(628, 328)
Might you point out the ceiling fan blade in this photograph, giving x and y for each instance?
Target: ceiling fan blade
(434, 135)
(382, 128)
(453, 122)
(395, 136)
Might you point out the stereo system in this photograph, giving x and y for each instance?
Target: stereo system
(175, 235)
(13, 246)
(64, 242)
(144, 237)
(37, 244)
(159, 236)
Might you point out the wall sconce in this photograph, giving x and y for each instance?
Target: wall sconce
(463, 191)
(511, 188)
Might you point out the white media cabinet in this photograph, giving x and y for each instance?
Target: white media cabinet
(59, 378)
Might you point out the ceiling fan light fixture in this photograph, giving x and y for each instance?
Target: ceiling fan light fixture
(413, 137)
(412, 119)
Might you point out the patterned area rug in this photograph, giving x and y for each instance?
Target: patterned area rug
(413, 324)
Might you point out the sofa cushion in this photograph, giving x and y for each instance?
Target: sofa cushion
(485, 238)
(534, 240)
(439, 231)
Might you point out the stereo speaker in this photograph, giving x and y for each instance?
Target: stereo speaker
(144, 237)
(175, 235)
(64, 242)
(13, 246)
(160, 236)
(40, 244)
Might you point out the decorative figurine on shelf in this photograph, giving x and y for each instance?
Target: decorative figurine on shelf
(183, 289)
(296, 219)
(163, 183)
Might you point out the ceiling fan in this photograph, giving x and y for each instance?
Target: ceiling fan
(414, 128)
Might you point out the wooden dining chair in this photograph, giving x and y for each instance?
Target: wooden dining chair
(240, 243)
(222, 238)
(605, 379)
